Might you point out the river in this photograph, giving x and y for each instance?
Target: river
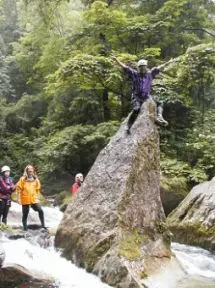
(198, 263)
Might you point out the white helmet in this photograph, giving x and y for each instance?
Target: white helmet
(79, 176)
(142, 62)
(5, 168)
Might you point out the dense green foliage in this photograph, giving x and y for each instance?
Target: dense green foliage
(62, 96)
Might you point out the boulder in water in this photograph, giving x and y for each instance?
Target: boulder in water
(12, 275)
(193, 221)
(114, 225)
(2, 255)
(35, 236)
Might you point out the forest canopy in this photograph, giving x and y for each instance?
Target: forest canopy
(62, 97)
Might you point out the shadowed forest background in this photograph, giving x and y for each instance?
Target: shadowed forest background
(62, 97)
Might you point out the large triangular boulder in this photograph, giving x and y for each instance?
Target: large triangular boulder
(114, 225)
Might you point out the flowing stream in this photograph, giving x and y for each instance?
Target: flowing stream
(199, 264)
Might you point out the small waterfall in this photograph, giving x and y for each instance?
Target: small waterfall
(48, 261)
(198, 263)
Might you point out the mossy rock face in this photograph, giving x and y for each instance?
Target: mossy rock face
(194, 235)
(111, 226)
(173, 191)
(193, 221)
(130, 245)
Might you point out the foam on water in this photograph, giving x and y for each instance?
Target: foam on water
(49, 262)
(197, 262)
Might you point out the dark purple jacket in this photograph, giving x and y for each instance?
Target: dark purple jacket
(6, 187)
(141, 83)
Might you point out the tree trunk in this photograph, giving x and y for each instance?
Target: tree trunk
(105, 103)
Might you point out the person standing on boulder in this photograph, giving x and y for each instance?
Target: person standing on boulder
(142, 80)
(28, 188)
(79, 179)
(6, 188)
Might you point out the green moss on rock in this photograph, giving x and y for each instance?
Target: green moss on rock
(162, 228)
(194, 234)
(130, 245)
(143, 274)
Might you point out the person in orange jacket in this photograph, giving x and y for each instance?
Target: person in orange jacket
(28, 188)
(79, 179)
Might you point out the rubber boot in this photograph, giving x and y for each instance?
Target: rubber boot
(159, 119)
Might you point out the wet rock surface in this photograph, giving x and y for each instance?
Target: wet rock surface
(35, 235)
(2, 255)
(12, 275)
(193, 221)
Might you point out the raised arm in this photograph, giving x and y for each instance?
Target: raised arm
(162, 66)
(128, 70)
(119, 62)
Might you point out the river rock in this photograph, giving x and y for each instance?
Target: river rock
(114, 225)
(36, 235)
(193, 221)
(12, 275)
(2, 255)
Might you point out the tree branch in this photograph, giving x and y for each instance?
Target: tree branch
(200, 29)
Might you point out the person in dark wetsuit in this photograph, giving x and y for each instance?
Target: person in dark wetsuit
(142, 81)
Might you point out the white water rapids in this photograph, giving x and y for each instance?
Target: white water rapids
(196, 262)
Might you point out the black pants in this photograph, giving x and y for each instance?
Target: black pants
(4, 209)
(136, 106)
(25, 211)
